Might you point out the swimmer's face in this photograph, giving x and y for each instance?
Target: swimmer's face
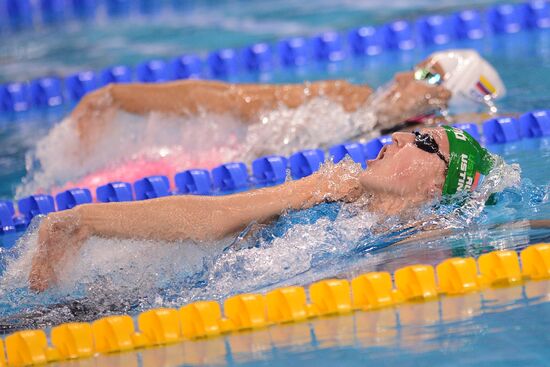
(404, 170)
(408, 97)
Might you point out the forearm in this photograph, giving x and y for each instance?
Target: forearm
(180, 97)
(200, 217)
(247, 100)
(189, 97)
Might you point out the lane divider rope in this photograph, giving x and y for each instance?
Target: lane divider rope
(331, 46)
(329, 297)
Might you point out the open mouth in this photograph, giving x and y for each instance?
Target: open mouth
(382, 152)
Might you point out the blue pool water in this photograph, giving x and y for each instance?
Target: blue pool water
(493, 328)
(502, 326)
(194, 27)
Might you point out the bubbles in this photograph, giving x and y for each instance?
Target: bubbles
(170, 142)
(320, 122)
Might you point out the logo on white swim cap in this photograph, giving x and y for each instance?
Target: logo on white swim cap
(469, 77)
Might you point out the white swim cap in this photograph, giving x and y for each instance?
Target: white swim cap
(469, 77)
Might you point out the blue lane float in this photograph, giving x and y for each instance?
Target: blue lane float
(186, 67)
(223, 63)
(84, 9)
(507, 18)
(46, 92)
(6, 217)
(258, 57)
(34, 205)
(293, 52)
(501, 130)
(70, 198)
(468, 24)
(330, 46)
(194, 181)
(152, 187)
(114, 192)
(23, 14)
(149, 7)
(353, 150)
(116, 74)
(470, 128)
(399, 35)
(21, 223)
(365, 41)
(19, 13)
(435, 29)
(118, 8)
(306, 162)
(270, 170)
(14, 97)
(535, 124)
(153, 71)
(230, 177)
(538, 14)
(53, 11)
(79, 84)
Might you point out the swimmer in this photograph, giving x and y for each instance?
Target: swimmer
(452, 79)
(417, 168)
(124, 132)
(448, 79)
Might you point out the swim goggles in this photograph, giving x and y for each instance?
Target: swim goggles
(427, 75)
(427, 143)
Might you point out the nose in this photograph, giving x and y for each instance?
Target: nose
(401, 139)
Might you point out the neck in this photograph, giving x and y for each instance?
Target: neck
(390, 204)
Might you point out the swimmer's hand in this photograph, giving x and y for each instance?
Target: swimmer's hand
(407, 99)
(60, 235)
(93, 114)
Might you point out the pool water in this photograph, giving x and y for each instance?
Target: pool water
(192, 27)
(492, 328)
(502, 326)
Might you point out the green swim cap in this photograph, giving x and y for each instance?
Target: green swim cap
(469, 162)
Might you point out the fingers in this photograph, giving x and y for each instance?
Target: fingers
(41, 275)
(91, 115)
(59, 234)
(93, 101)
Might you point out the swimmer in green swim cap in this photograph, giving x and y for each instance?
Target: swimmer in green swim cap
(415, 169)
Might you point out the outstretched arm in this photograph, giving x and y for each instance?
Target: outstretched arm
(188, 97)
(209, 218)
(173, 218)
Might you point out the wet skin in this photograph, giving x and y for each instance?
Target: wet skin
(407, 98)
(402, 177)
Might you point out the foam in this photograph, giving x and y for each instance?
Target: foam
(178, 143)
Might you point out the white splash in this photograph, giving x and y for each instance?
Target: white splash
(202, 141)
